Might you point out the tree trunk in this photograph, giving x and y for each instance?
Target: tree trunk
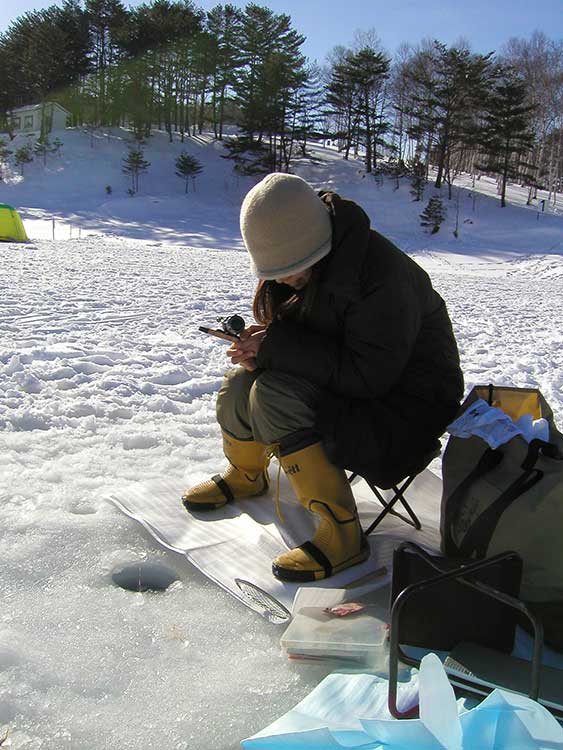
(221, 111)
(348, 134)
(440, 167)
(442, 153)
(505, 175)
(201, 116)
(558, 174)
(368, 132)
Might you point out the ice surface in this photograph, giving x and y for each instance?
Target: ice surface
(104, 379)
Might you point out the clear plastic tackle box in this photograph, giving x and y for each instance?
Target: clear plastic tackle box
(314, 633)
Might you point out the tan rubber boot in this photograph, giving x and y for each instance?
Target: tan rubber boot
(246, 476)
(339, 541)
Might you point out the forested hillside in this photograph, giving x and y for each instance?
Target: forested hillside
(170, 65)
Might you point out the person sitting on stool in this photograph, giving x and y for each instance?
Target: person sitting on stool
(352, 364)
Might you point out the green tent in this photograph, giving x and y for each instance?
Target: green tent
(11, 226)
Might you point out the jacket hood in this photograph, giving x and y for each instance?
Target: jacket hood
(350, 245)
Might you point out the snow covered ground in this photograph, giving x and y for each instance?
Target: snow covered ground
(104, 379)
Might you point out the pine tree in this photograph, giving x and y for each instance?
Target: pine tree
(134, 164)
(4, 154)
(433, 215)
(538, 61)
(451, 85)
(225, 25)
(8, 86)
(188, 167)
(355, 99)
(507, 136)
(368, 70)
(401, 89)
(309, 106)
(163, 80)
(44, 52)
(73, 20)
(267, 85)
(108, 21)
(23, 156)
(418, 180)
(251, 157)
(340, 99)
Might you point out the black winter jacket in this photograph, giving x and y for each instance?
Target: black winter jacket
(378, 340)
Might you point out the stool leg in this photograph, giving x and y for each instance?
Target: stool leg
(406, 506)
(388, 506)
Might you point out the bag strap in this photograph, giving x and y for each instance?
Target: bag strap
(538, 446)
(477, 539)
(489, 460)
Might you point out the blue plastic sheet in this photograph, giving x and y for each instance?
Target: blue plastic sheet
(349, 710)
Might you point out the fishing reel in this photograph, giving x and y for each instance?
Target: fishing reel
(233, 324)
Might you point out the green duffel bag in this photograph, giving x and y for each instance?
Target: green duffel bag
(510, 498)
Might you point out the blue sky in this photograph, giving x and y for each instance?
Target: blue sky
(486, 24)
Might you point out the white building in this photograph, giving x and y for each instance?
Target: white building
(30, 119)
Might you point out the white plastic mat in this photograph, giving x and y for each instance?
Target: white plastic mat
(240, 540)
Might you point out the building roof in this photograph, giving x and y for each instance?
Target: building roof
(29, 107)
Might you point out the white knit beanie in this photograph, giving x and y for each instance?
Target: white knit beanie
(285, 226)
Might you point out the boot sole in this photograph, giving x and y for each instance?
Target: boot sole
(202, 506)
(308, 576)
(205, 507)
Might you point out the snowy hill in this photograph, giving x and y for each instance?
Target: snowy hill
(104, 379)
(71, 189)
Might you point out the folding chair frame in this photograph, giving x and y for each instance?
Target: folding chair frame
(459, 574)
(388, 506)
(399, 490)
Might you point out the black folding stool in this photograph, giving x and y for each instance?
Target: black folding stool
(399, 487)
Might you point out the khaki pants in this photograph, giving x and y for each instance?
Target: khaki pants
(265, 406)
